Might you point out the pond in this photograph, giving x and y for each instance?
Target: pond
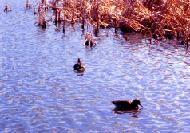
(39, 92)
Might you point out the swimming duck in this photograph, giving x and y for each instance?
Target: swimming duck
(90, 42)
(123, 105)
(79, 67)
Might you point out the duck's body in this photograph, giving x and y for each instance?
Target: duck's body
(89, 43)
(127, 105)
(82, 69)
(79, 67)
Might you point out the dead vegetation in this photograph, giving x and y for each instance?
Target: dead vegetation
(156, 18)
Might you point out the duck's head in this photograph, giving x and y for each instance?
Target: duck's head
(137, 102)
(78, 61)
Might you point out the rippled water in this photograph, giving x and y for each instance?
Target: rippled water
(39, 92)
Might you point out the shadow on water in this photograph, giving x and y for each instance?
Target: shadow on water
(133, 113)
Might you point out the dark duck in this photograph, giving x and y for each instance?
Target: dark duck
(90, 42)
(79, 67)
(126, 105)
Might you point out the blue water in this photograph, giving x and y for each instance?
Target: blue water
(40, 93)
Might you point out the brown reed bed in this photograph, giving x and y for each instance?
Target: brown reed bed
(158, 19)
